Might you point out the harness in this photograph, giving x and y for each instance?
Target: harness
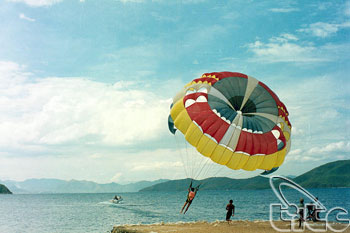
(191, 195)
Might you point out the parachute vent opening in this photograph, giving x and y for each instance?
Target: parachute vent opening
(249, 106)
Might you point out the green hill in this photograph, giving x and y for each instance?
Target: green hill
(333, 174)
(73, 186)
(4, 189)
(214, 183)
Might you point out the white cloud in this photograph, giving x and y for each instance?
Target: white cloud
(53, 111)
(297, 131)
(323, 5)
(283, 38)
(160, 17)
(294, 152)
(318, 114)
(37, 3)
(12, 72)
(329, 152)
(347, 8)
(22, 16)
(342, 146)
(96, 156)
(113, 166)
(288, 36)
(283, 10)
(156, 165)
(232, 15)
(284, 49)
(288, 48)
(321, 29)
(116, 177)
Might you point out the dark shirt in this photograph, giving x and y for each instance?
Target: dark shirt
(230, 208)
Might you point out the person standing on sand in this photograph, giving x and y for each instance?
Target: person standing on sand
(316, 211)
(301, 207)
(230, 211)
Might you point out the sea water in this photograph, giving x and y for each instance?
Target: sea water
(95, 213)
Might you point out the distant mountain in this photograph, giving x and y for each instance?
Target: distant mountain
(334, 174)
(74, 186)
(4, 189)
(214, 183)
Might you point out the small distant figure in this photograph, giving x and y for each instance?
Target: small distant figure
(117, 198)
(316, 212)
(230, 211)
(301, 211)
(190, 196)
(311, 211)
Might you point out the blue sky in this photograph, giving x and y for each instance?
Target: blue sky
(86, 85)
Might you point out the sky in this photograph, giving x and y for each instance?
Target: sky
(85, 86)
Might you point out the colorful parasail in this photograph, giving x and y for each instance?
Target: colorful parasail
(233, 119)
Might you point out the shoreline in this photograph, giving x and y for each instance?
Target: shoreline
(242, 226)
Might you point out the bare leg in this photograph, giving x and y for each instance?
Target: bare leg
(301, 220)
(189, 203)
(184, 207)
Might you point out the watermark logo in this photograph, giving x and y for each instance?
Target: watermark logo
(303, 216)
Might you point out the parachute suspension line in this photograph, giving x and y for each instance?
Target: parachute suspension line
(189, 150)
(205, 164)
(212, 167)
(200, 169)
(219, 170)
(220, 167)
(207, 167)
(181, 156)
(193, 160)
(204, 167)
(188, 158)
(198, 162)
(201, 165)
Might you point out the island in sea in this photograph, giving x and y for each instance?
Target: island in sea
(4, 189)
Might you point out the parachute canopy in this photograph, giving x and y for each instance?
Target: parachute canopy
(233, 119)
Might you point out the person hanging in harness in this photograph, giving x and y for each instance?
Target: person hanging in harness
(190, 196)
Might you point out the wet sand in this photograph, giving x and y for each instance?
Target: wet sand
(218, 227)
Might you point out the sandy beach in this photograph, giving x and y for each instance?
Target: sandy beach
(241, 226)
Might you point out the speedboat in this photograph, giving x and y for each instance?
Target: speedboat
(117, 199)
